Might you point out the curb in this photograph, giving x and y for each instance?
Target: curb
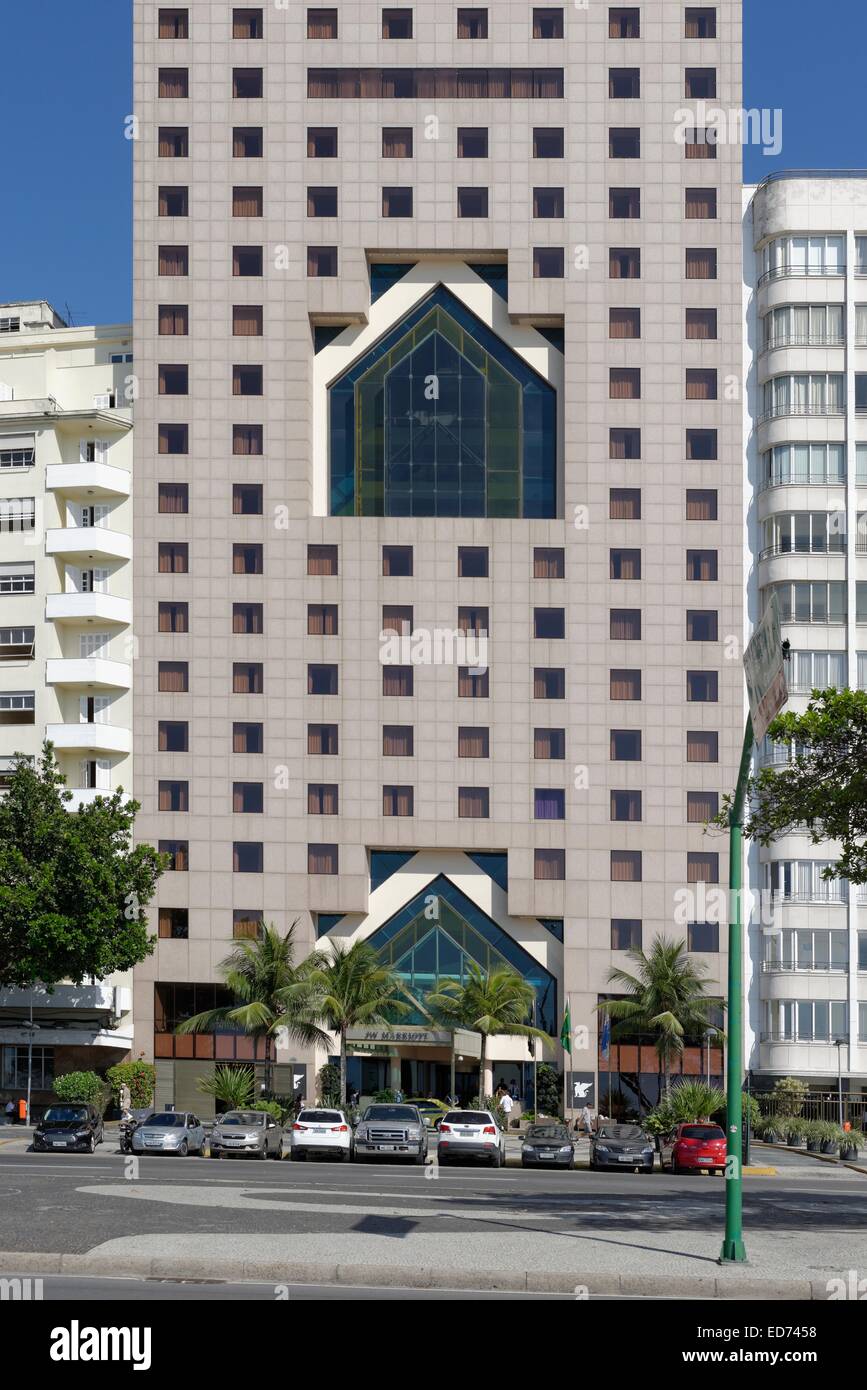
(822, 1158)
(580, 1286)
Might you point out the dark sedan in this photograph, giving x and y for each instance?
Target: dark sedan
(621, 1146)
(69, 1127)
(547, 1146)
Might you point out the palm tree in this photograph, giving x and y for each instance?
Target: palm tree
(272, 995)
(487, 1002)
(355, 990)
(665, 997)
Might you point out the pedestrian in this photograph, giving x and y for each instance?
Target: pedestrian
(506, 1104)
(587, 1120)
(10, 1112)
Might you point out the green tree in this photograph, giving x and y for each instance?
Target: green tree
(356, 991)
(73, 889)
(825, 784)
(139, 1076)
(271, 994)
(80, 1087)
(550, 1083)
(666, 998)
(490, 1002)
(231, 1086)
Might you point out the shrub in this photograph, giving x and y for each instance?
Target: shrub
(270, 1107)
(550, 1085)
(384, 1097)
(789, 1094)
(232, 1087)
(140, 1077)
(81, 1087)
(329, 1084)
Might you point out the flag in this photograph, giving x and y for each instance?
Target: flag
(606, 1036)
(566, 1031)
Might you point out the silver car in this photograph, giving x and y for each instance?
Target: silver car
(170, 1132)
(251, 1132)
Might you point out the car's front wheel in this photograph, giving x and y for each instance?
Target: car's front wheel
(91, 1144)
(183, 1148)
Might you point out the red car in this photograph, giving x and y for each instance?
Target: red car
(691, 1147)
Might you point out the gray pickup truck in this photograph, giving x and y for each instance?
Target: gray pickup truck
(391, 1131)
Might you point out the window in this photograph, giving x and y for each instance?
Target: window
(626, 805)
(174, 82)
(397, 561)
(624, 384)
(247, 381)
(247, 24)
(322, 740)
(178, 852)
(624, 564)
(472, 202)
(397, 741)
(247, 261)
(397, 801)
(625, 624)
(625, 746)
(173, 142)
(701, 263)
(474, 803)
(248, 142)
(549, 864)
(174, 617)
(547, 23)
(810, 671)
(701, 807)
(247, 738)
(17, 451)
(625, 934)
(624, 323)
(174, 202)
(626, 866)
(702, 565)
(624, 443)
(624, 23)
(247, 924)
(17, 514)
(18, 577)
(174, 923)
(702, 746)
(247, 320)
(624, 503)
(247, 440)
(701, 384)
(472, 142)
(700, 84)
(547, 142)
(700, 144)
(247, 83)
(322, 142)
(548, 202)
(397, 24)
(397, 618)
(174, 260)
(700, 22)
(322, 559)
(701, 445)
(247, 678)
(624, 142)
(246, 499)
(624, 685)
(248, 798)
(701, 324)
(322, 620)
(472, 562)
(17, 706)
(624, 83)
(173, 557)
(702, 687)
(322, 859)
(174, 796)
(474, 742)
(174, 380)
(814, 602)
(17, 643)
(173, 677)
(174, 320)
(549, 622)
(397, 142)
(174, 24)
(548, 262)
(702, 867)
(549, 562)
(173, 439)
(247, 857)
(321, 262)
(549, 803)
(624, 263)
(702, 936)
(247, 201)
(322, 680)
(472, 24)
(473, 685)
(701, 504)
(549, 683)
(549, 745)
(701, 203)
(397, 202)
(397, 681)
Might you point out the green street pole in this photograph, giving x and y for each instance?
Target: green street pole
(733, 1248)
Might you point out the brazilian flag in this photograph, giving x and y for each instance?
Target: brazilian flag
(566, 1031)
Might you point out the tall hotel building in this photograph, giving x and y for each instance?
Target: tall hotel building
(438, 332)
(805, 258)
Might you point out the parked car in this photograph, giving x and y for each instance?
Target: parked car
(471, 1134)
(391, 1131)
(548, 1146)
(69, 1127)
(621, 1146)
(431, 1111)
(691, 1147)
(321, 1132)
(251, 1132)
(170, 1131)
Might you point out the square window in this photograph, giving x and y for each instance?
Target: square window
(322, 142)
(624, 203)
(178, 852)
(247, 924)
(624, 504)
(247, 678)
(701, 504)
(246, 499)
(247, 261)
(548, 262)
(625, 624)
(549, 562)
(701, 263)
(701, 324)
(548, 202)
(322, 24)
(624, 564)
(625, 934)
(247, 738)
(397, 801)
(472, 684)
(173, 142)
(322, 679)
(322, 740)
(173, 677)
(398, 681)
(549, 622)
(624, 323)
(624, 443)
(174, 320)
(397, 741)
(247, 558)
(625, 746)
(322, 262)
(547, 23)
(700, 143)
(397, 561)
(248, 798)
(247, 321)
(472, 562)
(174, 24)
(549, 683)
(701, 384)
(322, 202)
(701, 445)
(247, 83)
(702, 687)
(397, 202)
(701, 203)
(174, 201)
(397, 618)
(702, 746)
(397, 24)
(322, 620)
(323, 799)
(702, 565)
(702, 625)
(173, 557)
(624, 685)
(247, 24)
(549, 865)
(247, 381)
(248, 142)
(174, 923)
(173, 736)
(474, 742)
(174, 379)
(549, 803)
(322, 859)
(173, 260)
(700, 22)
(472, 202)
(624, 263)
(702, 867)
(173, 617)
(173, 498)
(247, 201)
(472, 142)
(248, 441)
(397, 142)
(472, 24)
(548, 142)
(174, 796)
(322, 559)
(474, 803)
(624, 383)
(624, 142)
(700, 84)
(624, 83)
(626, 866)
(626, 805)
(702, 936)
(549, 745)
(624, 23)
(247, 857)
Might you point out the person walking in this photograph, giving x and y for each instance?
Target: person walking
(587, 1120)
(506, 1104)
(10, 1112)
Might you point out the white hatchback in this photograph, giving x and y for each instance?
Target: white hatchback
(471, 1134)
(321, 1132)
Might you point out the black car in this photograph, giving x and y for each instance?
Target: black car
(548, 1146)
(69, 1127)
(621, 1146)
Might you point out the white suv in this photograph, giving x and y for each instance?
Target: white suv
(471, 1134)
(321, 1132)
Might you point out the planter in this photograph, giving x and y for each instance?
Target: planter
(794, 1141)
(829, 1146)
(814, 1146)
(849, 1154)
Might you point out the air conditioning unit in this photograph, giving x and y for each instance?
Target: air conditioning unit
(105, 402)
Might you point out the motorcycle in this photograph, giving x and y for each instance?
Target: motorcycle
(127, 1128)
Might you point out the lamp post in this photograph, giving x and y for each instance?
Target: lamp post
(839, 1043)
(31, 1028)
(708, 1034)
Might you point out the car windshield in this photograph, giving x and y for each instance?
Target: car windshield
(548, 1132)
(621, 1132)
(702, 1132)
(247, 1118)
(166, 1120)
(321, 1117)
(65, 1114)
(390, 1112)
(469, 1117)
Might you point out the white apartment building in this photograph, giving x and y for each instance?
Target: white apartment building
(66, 649)
(805, 260)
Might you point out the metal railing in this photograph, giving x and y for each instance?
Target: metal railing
(838, 548)
(778, 412)
(804, 340)
(801, 272)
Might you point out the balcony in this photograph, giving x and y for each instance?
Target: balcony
(89, 543)
(73, 1003)
(88, 673)
(89, 738)
(86, 796)
(794, 408)
(88, 608)
(88, 479)
(830, 270)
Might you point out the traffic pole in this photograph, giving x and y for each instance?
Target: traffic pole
(733, 1249)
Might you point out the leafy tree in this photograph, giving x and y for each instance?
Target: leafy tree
(498, 1001)
(550, 1084)
(80, 1088)
(788, 1095)
(231, 1086)
(356, 991)
(825, 784)
(666, 999)
(73, 889)
(329, 1085)
(272, 994)
(139, 1076)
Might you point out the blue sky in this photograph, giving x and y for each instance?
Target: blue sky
(65, 230)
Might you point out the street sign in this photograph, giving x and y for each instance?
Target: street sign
(765, 670)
